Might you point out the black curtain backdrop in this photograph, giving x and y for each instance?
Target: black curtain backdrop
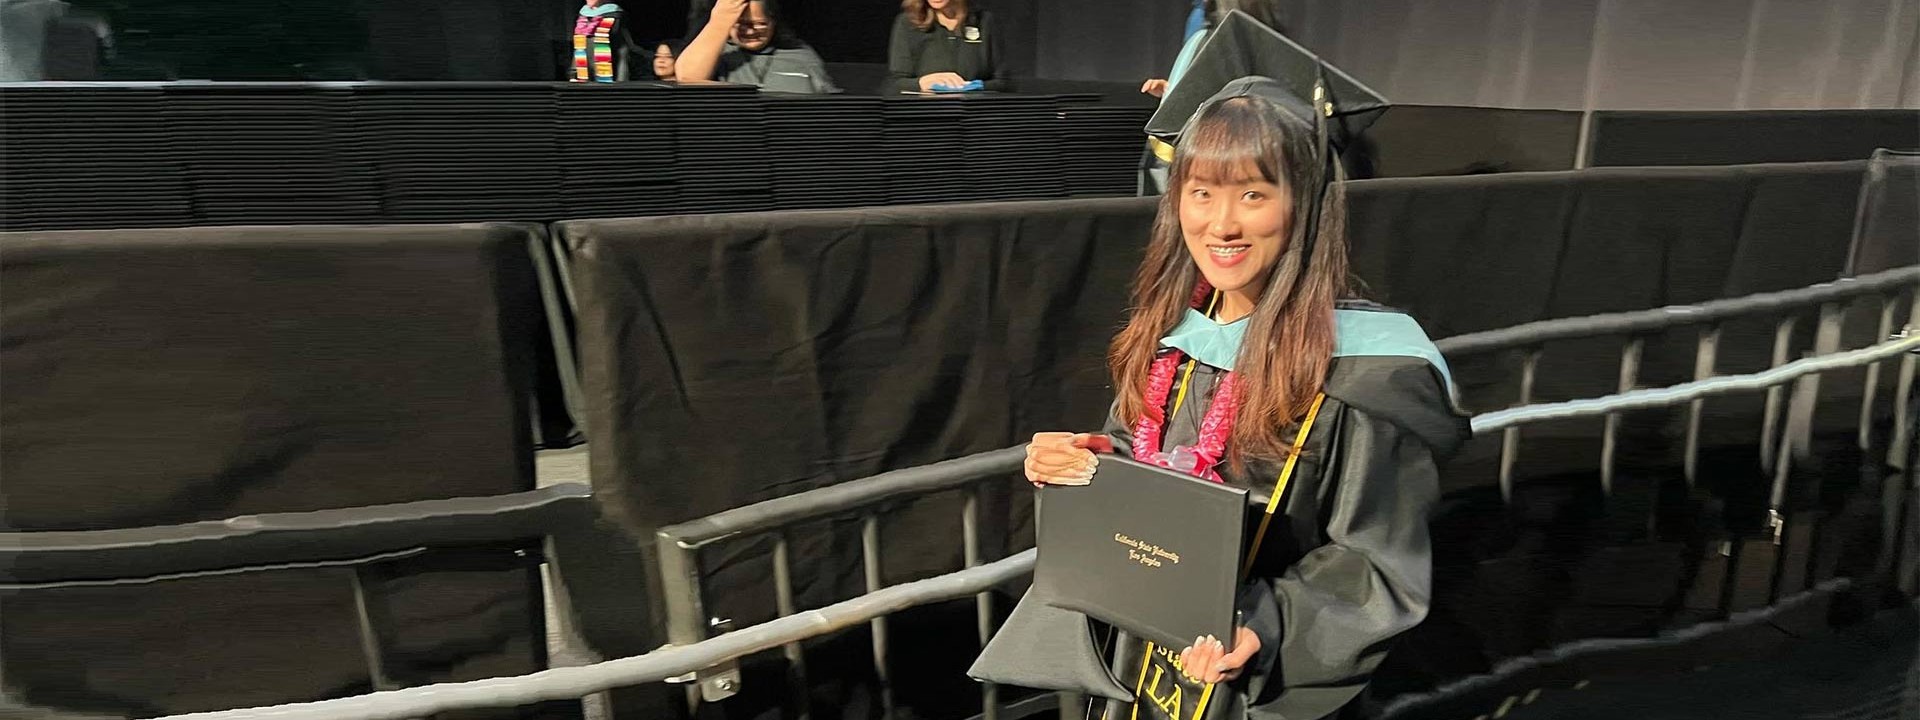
(1730, 138)
(807, 312)
(161, 377)
(730, 359)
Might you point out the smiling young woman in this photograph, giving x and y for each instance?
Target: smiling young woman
(1244, 362)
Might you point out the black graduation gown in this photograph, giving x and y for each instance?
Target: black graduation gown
(1345, 566)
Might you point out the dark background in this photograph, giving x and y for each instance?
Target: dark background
(1556, 54)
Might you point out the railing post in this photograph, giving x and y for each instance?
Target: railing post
(1907, 537)
(1510, 437)
(1903, 392)
(870, 559)
(369, 634)
(566, 622)
(783, 598)
(983, 602)
(1779, 500)
(1610, 440)
(1782, 340)
(687, 622)
(1872, 384)
(1826, 341)
(1705, 355)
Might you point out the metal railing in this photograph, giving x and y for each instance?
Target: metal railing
(573, 682)
(694, 655)
(349, 538)
(794, 627)
(679, 545)
(1832, 300)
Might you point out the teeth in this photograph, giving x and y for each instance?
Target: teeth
(1228, 251)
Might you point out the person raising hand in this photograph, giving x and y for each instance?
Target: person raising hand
(744, 42)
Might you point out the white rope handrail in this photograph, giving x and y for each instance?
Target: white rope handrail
(1687, 392)
(575, 682)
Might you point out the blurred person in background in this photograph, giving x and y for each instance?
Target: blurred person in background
(944, 45)
(666, 55)
(50, 40)
(745, 43)
(1200, 23)
(1206, 14)
(600, 43)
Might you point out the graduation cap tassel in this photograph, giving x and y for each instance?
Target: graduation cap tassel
(1242, 57)
(1327, 158)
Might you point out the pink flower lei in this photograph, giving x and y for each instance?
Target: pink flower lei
(1217, 425)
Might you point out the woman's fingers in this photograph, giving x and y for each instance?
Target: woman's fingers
(1198, 657)
(1064, 458)
(1060, 458)
(1207, 660)
(1189, 659)
(1060, 468)
(1229, 664)
(1095, 442)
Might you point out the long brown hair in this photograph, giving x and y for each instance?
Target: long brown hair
(920, 15)
(1289, 342)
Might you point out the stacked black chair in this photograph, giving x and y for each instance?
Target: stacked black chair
(1101, 145)
(923, 137)
(1011, 147)
(617, 150)
(822, 149)
(270, 153)
(720, 136)
(460, 152)
(88, 156)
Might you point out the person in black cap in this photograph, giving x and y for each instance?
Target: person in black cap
(945, 45)
(1245, 361)
(744, 42)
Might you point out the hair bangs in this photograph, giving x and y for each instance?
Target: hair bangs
(1231, 142)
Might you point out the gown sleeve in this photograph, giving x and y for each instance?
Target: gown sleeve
(1326, 623)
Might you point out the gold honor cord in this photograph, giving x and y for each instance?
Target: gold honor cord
(1259, 535)
(1253, 551)
(1280, 485)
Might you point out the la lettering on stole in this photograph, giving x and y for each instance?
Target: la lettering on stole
(1167, 689)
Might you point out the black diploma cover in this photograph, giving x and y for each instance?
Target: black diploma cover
(1149, 550)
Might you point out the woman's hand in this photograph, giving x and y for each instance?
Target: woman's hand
(727, 12)
(1208, 661)
(1058, 458)
(1156, 87)
(952, 80)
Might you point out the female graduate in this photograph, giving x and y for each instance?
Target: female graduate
(1243, 363)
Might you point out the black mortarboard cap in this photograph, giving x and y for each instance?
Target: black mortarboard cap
(1245, 57)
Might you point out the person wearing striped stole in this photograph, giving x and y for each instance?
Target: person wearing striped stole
(600, 43)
